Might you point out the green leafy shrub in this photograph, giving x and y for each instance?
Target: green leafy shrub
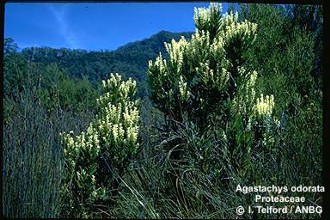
(98, 158)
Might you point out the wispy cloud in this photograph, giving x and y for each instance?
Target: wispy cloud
(60, 13)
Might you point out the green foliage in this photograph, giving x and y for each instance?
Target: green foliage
(277, 35)
(54, 87)
(98, 158)
(76, 95)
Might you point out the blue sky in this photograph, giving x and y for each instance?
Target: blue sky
(94, 26)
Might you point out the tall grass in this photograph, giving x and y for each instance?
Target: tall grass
(32, 164)
(32, 156)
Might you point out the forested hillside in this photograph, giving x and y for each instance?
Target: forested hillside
(178, 129)
(130, 60)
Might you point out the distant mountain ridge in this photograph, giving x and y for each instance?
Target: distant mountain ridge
(130, 60)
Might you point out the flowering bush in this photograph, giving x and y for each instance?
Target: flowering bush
(96, 159)
(207, 86)
(202, 73)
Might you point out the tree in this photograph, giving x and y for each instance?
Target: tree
(9, 46)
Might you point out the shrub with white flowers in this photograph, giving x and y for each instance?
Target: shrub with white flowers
(207, 82)
(265, 119)
(95, 159)
(201, 74)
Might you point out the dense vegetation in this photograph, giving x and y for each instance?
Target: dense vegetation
(239, 101)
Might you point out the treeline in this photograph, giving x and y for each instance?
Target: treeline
(237, 102)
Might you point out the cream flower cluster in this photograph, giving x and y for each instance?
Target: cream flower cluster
(245, 104)
(233, 28)
(208, 60)
(201, 39)
(160, 69)
(263, 109)
(119, 121)
(87, 142)
(217, 47)
(229, 19)
(184, 93)
(203, 70)
(203, 15)
(250, 85)
(252, 80)
(115, 87)
(264, 106)
(120, 125)
(160, 63)
(216, 79)
(175, 50)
